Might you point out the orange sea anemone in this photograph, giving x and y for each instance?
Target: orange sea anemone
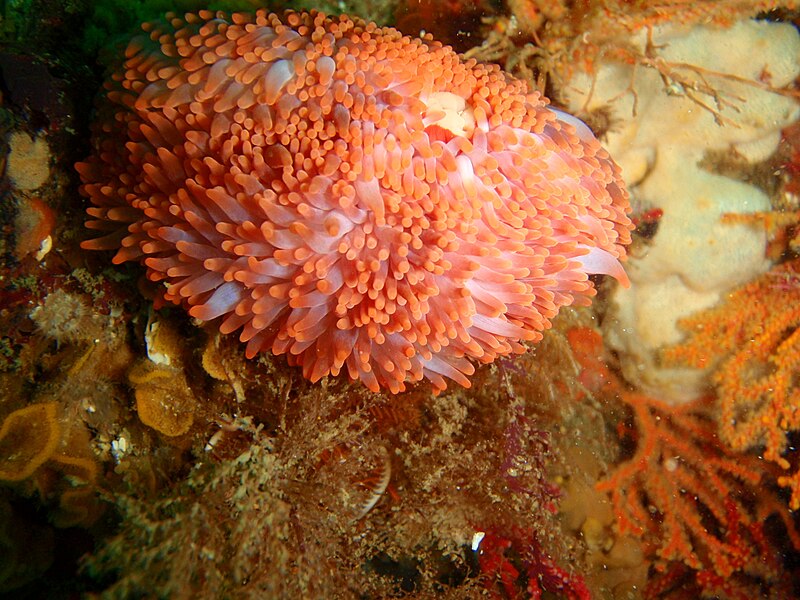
(348, 196)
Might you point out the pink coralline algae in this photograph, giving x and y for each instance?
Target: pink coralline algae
(348, 196)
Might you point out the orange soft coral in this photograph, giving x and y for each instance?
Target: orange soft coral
(699, 507)
(752, 339)
(345, 195)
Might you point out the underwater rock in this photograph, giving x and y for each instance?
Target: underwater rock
(26, 548)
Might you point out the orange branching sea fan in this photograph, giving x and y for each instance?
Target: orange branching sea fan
(349, 196)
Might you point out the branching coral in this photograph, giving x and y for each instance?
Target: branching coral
(697, 501)
(693, 501)
(752, 342)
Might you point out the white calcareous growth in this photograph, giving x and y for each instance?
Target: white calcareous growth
(694, 258)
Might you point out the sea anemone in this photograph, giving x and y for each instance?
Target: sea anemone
(349, 196)
(67, 318)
